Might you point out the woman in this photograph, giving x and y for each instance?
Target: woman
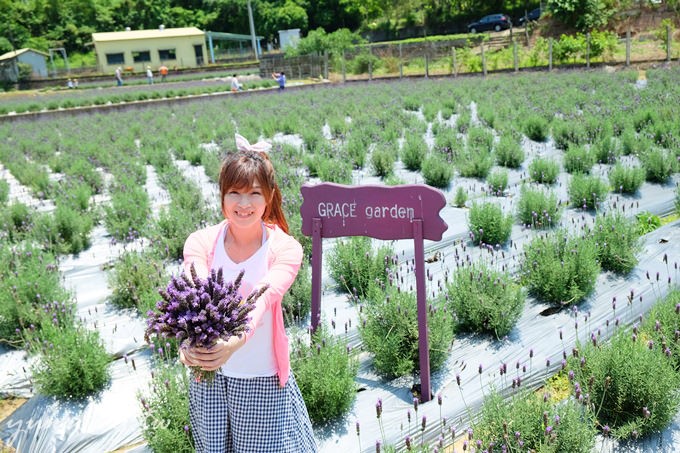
(254, 403)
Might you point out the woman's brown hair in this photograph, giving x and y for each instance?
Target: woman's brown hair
(241, 169)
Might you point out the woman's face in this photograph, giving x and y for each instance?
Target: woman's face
(244, 207)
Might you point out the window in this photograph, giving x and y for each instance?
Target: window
(167, 54)
(141, 57)
(115, 58)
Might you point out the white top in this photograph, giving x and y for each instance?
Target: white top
(234, 83)
(256, 357)
(149, 73)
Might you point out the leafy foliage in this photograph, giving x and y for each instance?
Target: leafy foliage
(327, 395)
(355, 265)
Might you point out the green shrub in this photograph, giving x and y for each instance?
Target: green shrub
(619, 388)
(135, 280)
(587, 191)
(72, 362)
(460, 198)
(389, 330)
(480, 139)
(414, 151)
(447, 141)
(536, 421)
(536, 128)
(560, 269)
(617, 241)
(484, 299)
(498, 182)
(327, 395)
(128, 211)
(335, 170)
(607, 150)
(543, 170)
(662, 323)
(509, 152)
(297, 300)
(474, 162)
(568, 133)
(437, 172)
(355, 266)
(30, 277)
(626, 179)
(538, 208)
(165, 410)
(69, 230)
(578, 159)
(659, 165)
(488, 224)
(382, 159)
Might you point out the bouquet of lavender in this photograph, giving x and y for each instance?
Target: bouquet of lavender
(198, 312)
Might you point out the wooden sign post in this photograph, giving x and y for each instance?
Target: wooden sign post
(381, 212)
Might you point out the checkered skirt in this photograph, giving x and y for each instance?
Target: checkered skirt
(253, 415)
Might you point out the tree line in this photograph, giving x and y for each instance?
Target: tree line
(44, 24)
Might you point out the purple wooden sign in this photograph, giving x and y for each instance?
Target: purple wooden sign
(400, 212)
(376, 211)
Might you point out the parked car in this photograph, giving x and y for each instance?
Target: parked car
(531, 16)
(496, 22)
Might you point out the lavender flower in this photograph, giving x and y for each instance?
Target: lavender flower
(198, 312)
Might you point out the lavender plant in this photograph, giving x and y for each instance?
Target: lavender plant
(165, 410)
(559, 268)
(532, 421)
(389, 329)
(626, 179)
(543, 170)
(327, 395)
(578, 159)
(484, 299)
(509, 152)
(618, 242)
(586, 192)
(498, 182)
(538, 208)
(437, 172)
(488, 224)
(355, 265)
(614, 381)
(197, 312)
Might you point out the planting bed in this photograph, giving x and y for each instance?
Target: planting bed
(533, 349)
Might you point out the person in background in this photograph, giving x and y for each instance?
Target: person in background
(149, 75)
(280, 77)
(119, 76)
(163, 71)
(253, 404)
(75, 83)
(69, 83)
(235, 86)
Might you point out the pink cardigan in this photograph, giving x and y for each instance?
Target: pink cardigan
(284, 258)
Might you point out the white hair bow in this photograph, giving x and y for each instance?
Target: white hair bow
(242, 144)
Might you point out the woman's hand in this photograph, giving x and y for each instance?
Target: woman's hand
(212, 358)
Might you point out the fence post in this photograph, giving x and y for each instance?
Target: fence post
(514, 54)
(668, 43)
(344, 73)
(401, 64)
(454, 71)
(628, 47)
(427, 65)
(550, 62)
(483, 59)
(325, 64)
(588, 50)
(370, 64)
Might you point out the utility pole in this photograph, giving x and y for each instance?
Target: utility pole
(252, 32)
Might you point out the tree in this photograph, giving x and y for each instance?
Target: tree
(584, 15)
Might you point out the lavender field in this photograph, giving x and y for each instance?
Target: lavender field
(101, 202)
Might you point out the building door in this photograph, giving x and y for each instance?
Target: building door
(198, 50)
